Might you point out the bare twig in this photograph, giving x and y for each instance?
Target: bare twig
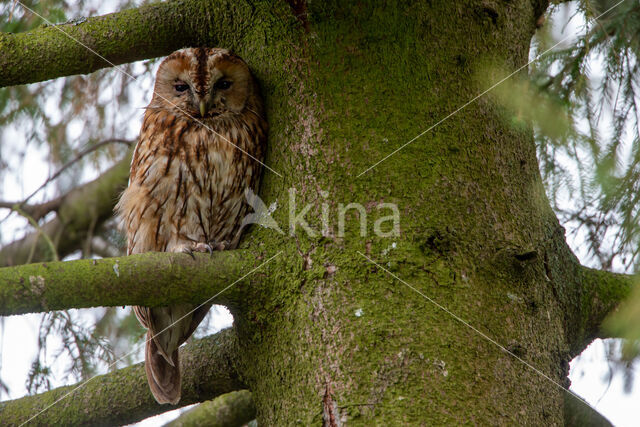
(13, 7)
(35, 225)
(86, 248)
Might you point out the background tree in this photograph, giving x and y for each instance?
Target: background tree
(470, 314)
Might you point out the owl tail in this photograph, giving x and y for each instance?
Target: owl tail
(163, 377)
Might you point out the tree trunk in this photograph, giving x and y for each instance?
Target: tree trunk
(335, 337)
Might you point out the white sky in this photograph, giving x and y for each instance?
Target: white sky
(18, 334)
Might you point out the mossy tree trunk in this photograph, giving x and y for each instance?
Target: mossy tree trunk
(477, 233)
(348, 328)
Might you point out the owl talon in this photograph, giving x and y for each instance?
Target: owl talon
(196, 247)
(218, 246)
(202, 247)
(187, 250)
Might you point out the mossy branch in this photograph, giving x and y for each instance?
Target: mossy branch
(230, 410)
(123, 397)
(602, 292)
(151, 279)
(148, 31)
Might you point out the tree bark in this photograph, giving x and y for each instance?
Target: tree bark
(338, 339)
(480, 304)
(122, 397)
(603, 292)
(230, 410)
(88, 44)
(578, 414)
(150, 279)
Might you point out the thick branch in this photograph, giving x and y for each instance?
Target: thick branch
(230, 410)
(578, 414)
(90, 203)
(122, 397)
(602, 292)
(130, 35)
(150, 279)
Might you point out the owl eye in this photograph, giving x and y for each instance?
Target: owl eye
(181, 87)
(223, 84)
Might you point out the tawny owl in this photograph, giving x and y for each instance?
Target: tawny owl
(201, 146)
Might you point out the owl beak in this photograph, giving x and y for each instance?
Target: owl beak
(203, 108)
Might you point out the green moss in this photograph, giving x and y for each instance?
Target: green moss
(365, 80)
(150, 279)
(232, 409)
(603, 292)
(145, 32)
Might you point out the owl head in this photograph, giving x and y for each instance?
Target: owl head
(205, 83)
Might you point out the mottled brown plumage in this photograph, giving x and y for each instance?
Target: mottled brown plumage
(201, 146)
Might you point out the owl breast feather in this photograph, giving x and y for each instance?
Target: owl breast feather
(191, 189)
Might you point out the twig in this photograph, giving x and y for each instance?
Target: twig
(35, 225)
(86, 248)
(13, 7)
